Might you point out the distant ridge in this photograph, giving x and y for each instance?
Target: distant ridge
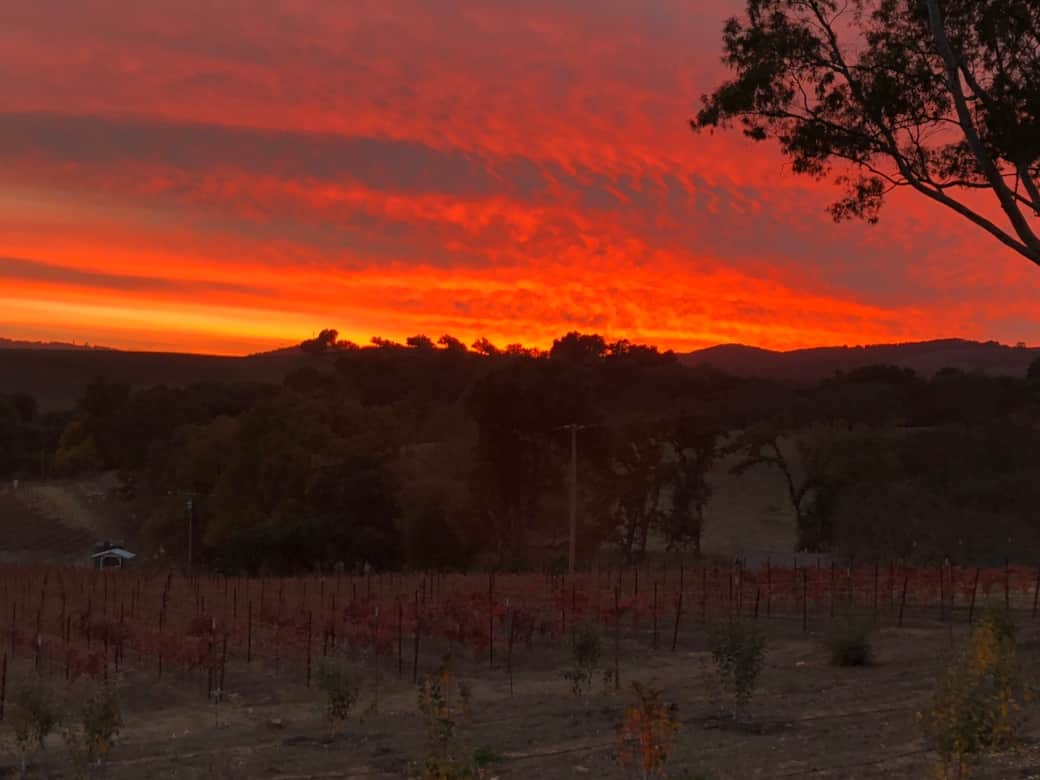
(56, 374)
(923, 357)
(54, 345)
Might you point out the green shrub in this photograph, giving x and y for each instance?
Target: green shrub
(976, 705)
(849, 644)
(739, 651)
(443, 704)
(91, 736)
(342, 690)
(585, 651)
(486, 755)
(33, 717)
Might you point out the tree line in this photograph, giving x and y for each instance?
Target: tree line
(432, 454)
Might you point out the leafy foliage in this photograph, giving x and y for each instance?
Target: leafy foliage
(849, 644)
(939, 97)
(738, 650)
(425, 454)
(586, 651)
(92, 735)
(976, 706)
(646, 738)
(341, 689)
(443, 703)
(33, 717)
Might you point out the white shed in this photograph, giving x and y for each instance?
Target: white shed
(112, 558)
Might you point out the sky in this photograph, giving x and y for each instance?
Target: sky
(230, 177)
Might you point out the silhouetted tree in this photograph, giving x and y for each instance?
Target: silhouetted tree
(941, 96)
(1033, 374)
(811, 475)
(633, 484)
(694, 444)
(325, 341)
(451, 343)
(419, 342)
(103, 398)
(578, 348)
(484, 347)
(517, 408)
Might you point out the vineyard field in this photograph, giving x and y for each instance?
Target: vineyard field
(221, 674)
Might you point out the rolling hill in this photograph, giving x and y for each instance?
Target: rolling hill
(808, 365)
(58, 377)
(56, 374)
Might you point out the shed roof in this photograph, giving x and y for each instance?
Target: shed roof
(117, 552)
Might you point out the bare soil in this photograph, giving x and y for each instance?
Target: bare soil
(29, 536)
(809, 719)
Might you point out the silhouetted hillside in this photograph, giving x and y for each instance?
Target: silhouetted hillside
(809, 365)
(58, 377)
(59, 345)
(57, 374)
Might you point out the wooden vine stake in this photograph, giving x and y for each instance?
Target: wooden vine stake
(902, 598)
(415, 649)
(1007, 584)
(400, 638)
(654, 614)
(617, 637)
(3, 685)
(509, 650)
(1036, 593)
(971, 605)
(678, 610)
(877, 572)
(805, 601)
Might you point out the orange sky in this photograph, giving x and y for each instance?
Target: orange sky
(234, 177)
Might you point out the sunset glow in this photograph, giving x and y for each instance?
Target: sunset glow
(232, 178)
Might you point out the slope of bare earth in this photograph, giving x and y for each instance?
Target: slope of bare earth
(810, 720)
(57, 521)
(27, 536)
(749, 513)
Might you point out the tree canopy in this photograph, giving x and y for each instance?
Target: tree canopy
(940, 96)
(423, 454)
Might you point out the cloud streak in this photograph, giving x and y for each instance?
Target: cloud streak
(513, 169)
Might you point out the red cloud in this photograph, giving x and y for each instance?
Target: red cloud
(513, 170)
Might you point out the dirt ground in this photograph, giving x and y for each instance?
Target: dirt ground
(57, 521)
(809, 719)
(30, 536)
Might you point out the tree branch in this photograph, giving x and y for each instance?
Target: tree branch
(989, 168)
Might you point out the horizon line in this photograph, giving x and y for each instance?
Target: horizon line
(58, 344)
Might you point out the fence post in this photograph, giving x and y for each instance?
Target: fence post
(805, 601)
(1007, 584)
(902, 599)
(876, 573)
(617, 637)
(1036, 592)
(834, 587)
(974, 589)
(942, 593)
(678, 608)
(415, 649)
(3, 685)
(654, 612)
(769, 586)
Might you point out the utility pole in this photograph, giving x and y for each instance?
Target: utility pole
(572, 557)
